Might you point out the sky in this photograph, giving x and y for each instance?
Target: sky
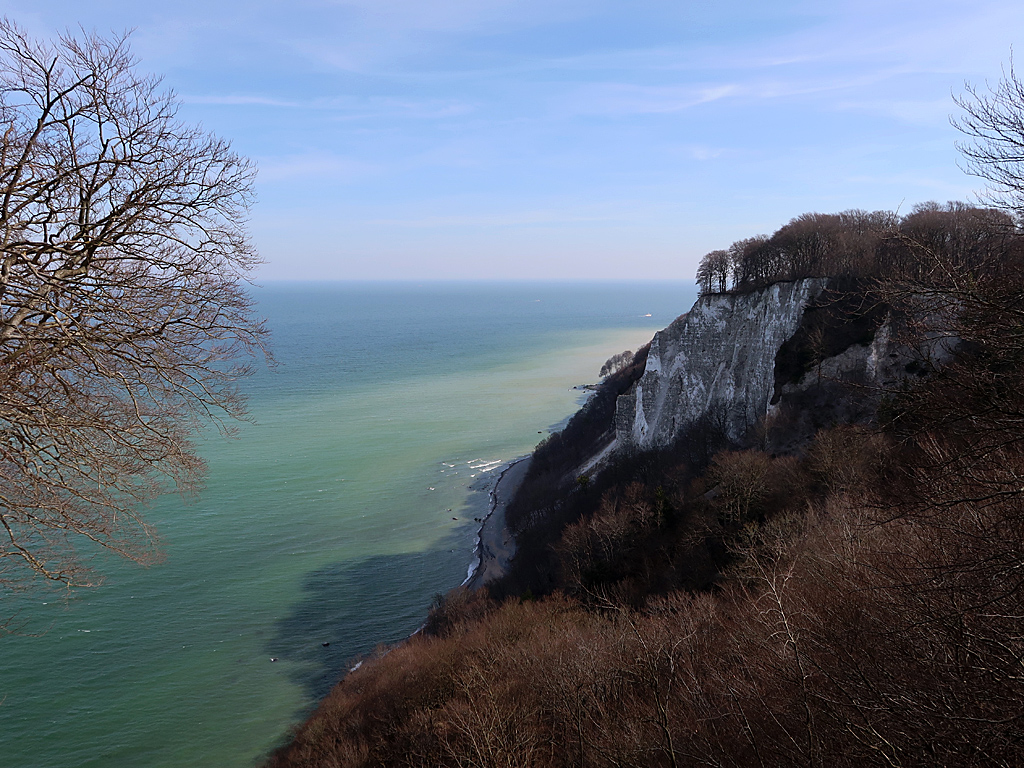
(559, 139)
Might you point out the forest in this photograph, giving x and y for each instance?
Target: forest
(857, 243)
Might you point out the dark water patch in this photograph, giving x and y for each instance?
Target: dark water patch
(353, 607)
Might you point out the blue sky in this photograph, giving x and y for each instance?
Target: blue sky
(560, 138)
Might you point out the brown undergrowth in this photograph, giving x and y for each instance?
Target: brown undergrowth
(847, 630)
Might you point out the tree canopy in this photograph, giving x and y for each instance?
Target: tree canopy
(856, 243)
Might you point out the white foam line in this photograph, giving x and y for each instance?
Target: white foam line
(492, 503)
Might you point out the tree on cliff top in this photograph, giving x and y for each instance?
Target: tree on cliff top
(123, 320)
(713, 272)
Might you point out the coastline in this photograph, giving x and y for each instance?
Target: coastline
(495, 545)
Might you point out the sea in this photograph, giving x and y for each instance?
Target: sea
(326, 526)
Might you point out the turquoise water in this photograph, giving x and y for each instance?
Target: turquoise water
(327, 521)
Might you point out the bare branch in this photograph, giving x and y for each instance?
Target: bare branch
(124, 322)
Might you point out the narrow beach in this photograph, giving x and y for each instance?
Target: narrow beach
(495, 544)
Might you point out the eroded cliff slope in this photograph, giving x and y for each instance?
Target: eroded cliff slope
(719, 366)
(716, 361)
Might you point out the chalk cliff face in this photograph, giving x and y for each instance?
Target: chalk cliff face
(719, 366)
(715, 362)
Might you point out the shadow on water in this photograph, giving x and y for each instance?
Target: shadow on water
(353, 607)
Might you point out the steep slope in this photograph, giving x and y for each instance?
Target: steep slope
(783, 361)
(717, 361)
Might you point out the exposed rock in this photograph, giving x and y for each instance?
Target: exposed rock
(845, 388)
(717, 361)
(795, 356)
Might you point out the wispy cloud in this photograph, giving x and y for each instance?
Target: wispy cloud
(418, 119)
(431, 109)
(462, 15)
(703, 153)
(314, 165)
(939, 188)
(627, 99)
(929, 112)
(366, 35)
(244, 101)
(346, 108)
(510, 219)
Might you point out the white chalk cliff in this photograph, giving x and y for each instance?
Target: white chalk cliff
(717, 361)
(716, 365)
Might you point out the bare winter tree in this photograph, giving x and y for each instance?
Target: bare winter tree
(124, 324)
(994, 122)
(713, 272)
(617, 362)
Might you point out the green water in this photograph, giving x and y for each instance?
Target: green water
(327, 521)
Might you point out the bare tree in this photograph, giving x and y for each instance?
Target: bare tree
(616, 363)
(741, 477)
(994, 121)
(124, 324)
(713, 272)
(704, 275)
(751, 261)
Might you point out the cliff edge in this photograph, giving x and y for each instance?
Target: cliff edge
(715, 362)
(771, 367)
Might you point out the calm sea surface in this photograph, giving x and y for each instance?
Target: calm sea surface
(330, 520)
